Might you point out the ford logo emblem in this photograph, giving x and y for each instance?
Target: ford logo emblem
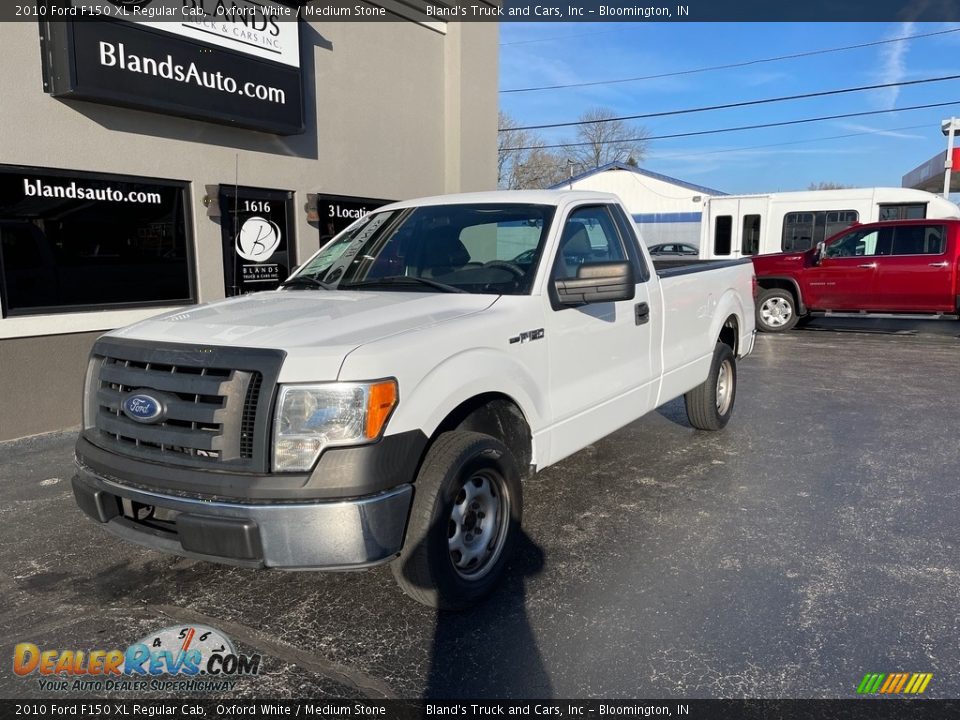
(143, 408)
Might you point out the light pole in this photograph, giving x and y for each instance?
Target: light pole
(948, 128)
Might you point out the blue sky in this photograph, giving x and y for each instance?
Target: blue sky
(534, 54)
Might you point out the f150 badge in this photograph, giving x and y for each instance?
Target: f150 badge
(527, 336)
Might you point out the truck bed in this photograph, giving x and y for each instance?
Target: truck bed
(671, 267)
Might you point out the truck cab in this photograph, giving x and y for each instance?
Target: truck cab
(905, 266)
(385, 403)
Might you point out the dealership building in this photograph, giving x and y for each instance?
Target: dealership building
(150, 165)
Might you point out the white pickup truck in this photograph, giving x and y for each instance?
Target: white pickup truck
(385, 403)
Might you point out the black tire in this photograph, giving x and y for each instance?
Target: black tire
(427, 569)
(706, 409)
(776, 310)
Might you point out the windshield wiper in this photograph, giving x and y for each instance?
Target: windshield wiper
(402, 280)
(306, 280)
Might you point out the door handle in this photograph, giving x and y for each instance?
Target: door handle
(641, 313)
(867, 265)
(940, 264)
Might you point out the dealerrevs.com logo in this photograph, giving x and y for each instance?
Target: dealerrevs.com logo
(182, 658)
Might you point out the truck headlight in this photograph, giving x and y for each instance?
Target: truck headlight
(310, 418)
(91, 386)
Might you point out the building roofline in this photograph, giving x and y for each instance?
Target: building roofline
(639, 171)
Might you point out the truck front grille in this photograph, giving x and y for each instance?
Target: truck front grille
(215, 401)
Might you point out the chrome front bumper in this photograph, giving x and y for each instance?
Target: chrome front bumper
(332, 535)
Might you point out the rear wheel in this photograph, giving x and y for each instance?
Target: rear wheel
(776, 310)
(464, 522)
(710, 405)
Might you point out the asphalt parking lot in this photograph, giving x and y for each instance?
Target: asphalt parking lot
(812, 541)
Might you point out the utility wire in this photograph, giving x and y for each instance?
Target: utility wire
(878, 131)
(736, 129)
(726, 106)
(730, 66)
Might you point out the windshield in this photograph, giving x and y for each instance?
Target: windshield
(491, 248)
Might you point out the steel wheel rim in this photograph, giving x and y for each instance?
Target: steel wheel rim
(724, 387)
(477, 526)
(776, 312)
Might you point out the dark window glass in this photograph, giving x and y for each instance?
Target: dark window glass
(723, 230)
(912, 211)
(75, 241)
(803, 230)
(750, 244)
(918, 240)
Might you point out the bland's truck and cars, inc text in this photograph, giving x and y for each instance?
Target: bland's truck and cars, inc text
(385, 403)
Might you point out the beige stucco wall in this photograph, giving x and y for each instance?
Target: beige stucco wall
(394, 110)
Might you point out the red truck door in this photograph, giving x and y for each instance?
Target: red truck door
(917, 276)
(846, 276)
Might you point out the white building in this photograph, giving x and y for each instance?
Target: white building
(665, 209)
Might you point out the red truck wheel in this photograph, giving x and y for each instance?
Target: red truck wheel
(776, 310)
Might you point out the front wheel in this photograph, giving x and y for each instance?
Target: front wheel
(776, 310)
(710, 405)
(465, 519)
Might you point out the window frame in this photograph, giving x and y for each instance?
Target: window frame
(901, 208)
(186, 199)
(943, 239)
(818, 228)
(716, 235)
(624, 246)
(743, 234)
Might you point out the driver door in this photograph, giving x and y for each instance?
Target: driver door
(846, 277)
(601, 372)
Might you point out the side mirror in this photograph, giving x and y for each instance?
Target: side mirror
(596, 283)
(818, 255)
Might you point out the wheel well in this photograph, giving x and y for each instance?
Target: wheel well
(730, 333)
(781, 284)
(496, 415)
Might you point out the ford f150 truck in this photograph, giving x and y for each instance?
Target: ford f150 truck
(899, 266)
(384, 404)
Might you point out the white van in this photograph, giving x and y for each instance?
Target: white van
(735, 226)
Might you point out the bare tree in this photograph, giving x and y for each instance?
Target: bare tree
(539, 168)
(508, 140)
(522, 161)
(601, 139)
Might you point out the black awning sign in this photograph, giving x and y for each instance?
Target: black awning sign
(134, 65)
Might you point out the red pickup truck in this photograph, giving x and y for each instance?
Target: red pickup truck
(902, 266)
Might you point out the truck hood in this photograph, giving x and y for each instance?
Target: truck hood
(317, 328)
(781, 262)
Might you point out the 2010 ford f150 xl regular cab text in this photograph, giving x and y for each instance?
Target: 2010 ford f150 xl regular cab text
(384, 404)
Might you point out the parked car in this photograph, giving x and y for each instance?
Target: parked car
(674, 249)
(384, 404)
(905, 266)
